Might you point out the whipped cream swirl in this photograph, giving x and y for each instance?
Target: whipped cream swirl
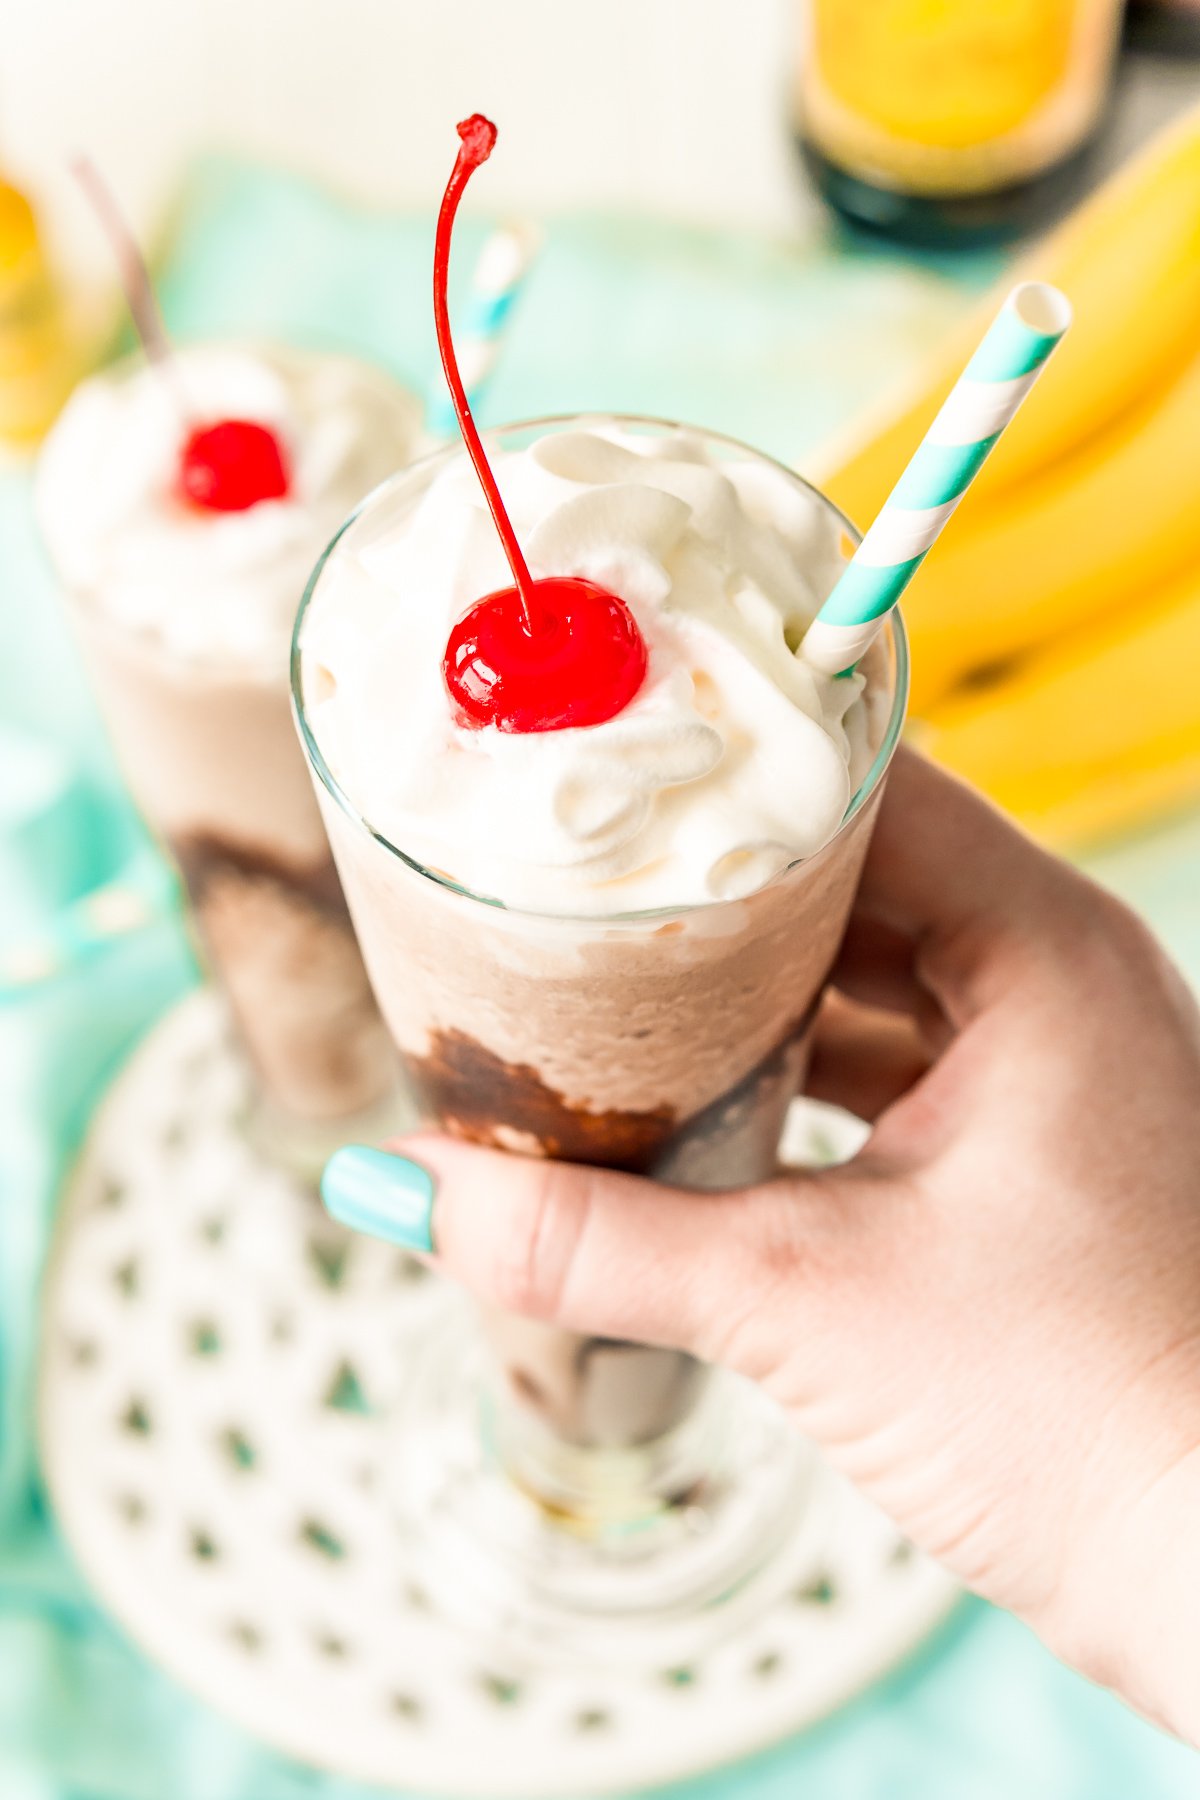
(213, 586)
(733, 760)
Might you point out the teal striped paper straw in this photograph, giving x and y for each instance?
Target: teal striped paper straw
(985, 397)
(497, 279)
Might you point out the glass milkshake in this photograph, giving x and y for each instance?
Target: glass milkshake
(603, 943)
(182, 541)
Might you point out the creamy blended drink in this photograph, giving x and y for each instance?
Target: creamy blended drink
(599, 825)
(183, 508)
(603, 943)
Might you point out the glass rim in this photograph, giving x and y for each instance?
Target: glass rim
(446, 453)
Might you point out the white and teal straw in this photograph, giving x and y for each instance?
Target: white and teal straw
(1009, 360)
(497, 279)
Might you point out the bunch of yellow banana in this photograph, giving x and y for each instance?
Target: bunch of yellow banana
(1056, 627)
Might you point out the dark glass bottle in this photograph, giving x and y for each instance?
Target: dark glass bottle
(944, 122)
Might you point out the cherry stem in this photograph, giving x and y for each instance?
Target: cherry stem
(133, 274)
(478, 139)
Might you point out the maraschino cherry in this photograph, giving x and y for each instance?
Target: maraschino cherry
(546, 654)
(231, 465)
(226, 465)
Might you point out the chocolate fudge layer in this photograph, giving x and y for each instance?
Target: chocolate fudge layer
(607, 943)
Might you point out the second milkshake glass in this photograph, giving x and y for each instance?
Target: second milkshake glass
(200, 721)
(670, 1043)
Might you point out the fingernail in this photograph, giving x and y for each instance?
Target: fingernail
(385, 1195)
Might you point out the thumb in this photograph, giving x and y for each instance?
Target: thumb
(601, 1252)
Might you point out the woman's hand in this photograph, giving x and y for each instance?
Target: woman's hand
(990, 1318)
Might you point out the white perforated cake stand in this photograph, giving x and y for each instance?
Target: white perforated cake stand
(223, 1397)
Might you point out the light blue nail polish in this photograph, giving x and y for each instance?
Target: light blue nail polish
(387, 1196)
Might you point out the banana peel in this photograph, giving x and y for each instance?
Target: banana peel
(1090, 737)
(1129, 261)
(1086, 541)
(1086, 719)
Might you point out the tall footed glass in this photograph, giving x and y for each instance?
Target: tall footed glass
(608, 1481)
(182, 613)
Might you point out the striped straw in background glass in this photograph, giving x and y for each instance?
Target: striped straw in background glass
(497, 279)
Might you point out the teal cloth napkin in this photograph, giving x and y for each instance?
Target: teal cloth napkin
(774, 342)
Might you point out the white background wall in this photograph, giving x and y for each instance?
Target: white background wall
(672, 106)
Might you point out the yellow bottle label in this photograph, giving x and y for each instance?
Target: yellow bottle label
(954, 96)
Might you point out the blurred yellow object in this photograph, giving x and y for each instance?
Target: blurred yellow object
(944, 121)
(1094, 735)
(1088, 539)
(18, 232)
(36, 362)
(1129, 260)
(940, 72)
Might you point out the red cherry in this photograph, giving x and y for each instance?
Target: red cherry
(543, 655)
(232, 465)
(229, 465)
(583, 663)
